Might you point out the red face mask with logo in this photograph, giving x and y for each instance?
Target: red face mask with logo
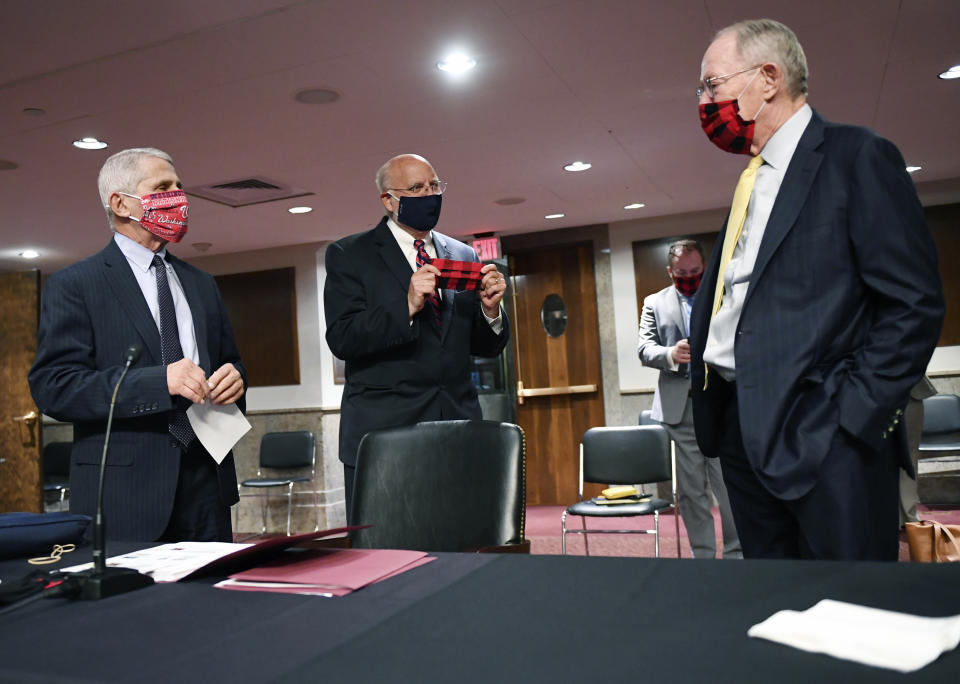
(164, 214)
(687, 286)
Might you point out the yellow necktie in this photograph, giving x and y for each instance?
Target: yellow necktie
(738, 213)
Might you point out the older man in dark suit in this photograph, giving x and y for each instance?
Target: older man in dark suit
(823, 307)
(160, 483)
(406, 342)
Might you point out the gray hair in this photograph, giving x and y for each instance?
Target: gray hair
(122, 172)
(765, 40)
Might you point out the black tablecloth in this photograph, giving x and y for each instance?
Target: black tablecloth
(477, 618)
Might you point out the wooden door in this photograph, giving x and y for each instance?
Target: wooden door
(21, 478)
(560, 390)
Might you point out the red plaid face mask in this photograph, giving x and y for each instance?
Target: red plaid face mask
(688, 286)
(164, 214)
(724, 126)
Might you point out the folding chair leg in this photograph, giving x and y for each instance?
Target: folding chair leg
(316, 504)
(563, 533)
(676, 522)
(263, 511)
(656, 534)
(289, 505)
(586, 542)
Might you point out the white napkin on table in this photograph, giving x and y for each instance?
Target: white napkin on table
(872, 636)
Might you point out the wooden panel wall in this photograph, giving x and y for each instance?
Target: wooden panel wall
(262, 306)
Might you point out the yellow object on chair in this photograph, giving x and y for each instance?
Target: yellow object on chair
(620, 491)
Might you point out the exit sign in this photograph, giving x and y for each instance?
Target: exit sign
(487, 248)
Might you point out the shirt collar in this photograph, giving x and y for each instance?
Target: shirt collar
(404, 238)
(137, 254)
(780, 147)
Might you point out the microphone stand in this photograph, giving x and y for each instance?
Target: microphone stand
(102, 582)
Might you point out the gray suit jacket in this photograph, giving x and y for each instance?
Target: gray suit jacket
(662, 325)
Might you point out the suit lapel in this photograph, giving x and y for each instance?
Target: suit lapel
(391, 255)
(790, 199)
(675, 313)
(191, 290)
(126, 291)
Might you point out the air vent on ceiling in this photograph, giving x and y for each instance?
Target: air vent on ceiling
(242, 192)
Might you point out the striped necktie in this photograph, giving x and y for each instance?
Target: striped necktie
(170, 349)
(433, 301)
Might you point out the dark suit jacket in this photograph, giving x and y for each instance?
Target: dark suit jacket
(398, 373)
(92, 312)
(841, 315)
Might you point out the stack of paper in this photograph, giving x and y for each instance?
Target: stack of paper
(326, 572)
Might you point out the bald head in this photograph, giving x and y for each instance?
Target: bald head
(403, 165)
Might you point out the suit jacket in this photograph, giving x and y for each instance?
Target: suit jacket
(841, 315)
(91, 313)
(398, 373)
(662, 325)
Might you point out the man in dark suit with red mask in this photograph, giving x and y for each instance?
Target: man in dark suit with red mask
(819, 311)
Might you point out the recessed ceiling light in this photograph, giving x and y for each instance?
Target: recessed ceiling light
(553, 216)
(456, 63)
(300, 210)
(951, 73)
(316, 96)
(89, 144)
(635, 205)
(911, 169)
(577, 166)
(29, 254)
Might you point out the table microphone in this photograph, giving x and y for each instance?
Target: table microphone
(101, 581)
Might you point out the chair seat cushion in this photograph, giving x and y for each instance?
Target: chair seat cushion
(617, 510)
(273, 481)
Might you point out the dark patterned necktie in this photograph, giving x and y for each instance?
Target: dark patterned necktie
(433, 301)
(170, 349)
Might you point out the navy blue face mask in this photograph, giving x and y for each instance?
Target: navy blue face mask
(420, 213)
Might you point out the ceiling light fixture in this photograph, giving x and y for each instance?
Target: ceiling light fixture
(89, 144)
(554, 216)
(456, 63)
(951, 73)
(29, 254)
(635, 205)
(300, 210)
(911, 169)
(577, 166)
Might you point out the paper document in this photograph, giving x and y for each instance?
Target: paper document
(872, 636)
(169, 562)
(217, 427)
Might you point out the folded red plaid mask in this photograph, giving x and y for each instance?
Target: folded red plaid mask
(458, 275)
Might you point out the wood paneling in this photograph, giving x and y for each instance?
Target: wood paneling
(21, 477)
(262, 306)
(555, 424)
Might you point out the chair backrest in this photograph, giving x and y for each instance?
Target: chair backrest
(634, 454)
(287, 449)
(56, 459)
(440, 486)
(941, 415)
(645, 418)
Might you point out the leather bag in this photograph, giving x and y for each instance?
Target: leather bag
(933, 542)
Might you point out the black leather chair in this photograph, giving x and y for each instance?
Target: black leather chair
(56, 470)
(631, 455)
(441, 486)
(292, 452)
(941, 424)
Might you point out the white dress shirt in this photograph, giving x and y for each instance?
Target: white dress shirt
(776, 154)
(141, 263)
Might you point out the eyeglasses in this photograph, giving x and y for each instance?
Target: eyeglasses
(708, 85)
(436, 187)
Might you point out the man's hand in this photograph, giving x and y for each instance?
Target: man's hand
(226, 385)
(187, 379)
(681, 352)
(423, 283)
(492, 288)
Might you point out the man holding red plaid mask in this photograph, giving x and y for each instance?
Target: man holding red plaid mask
(406, 307)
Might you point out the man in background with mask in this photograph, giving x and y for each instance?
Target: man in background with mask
(405, 334)
(664, 333)
(818, 312)
(160, 483)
